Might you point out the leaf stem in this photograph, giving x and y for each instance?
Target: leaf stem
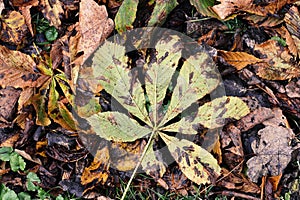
(139, 163)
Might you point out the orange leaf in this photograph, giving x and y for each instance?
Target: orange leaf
(238, 59)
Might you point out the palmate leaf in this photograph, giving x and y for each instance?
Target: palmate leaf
(197, 77)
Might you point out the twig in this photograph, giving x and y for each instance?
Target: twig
(236, 194)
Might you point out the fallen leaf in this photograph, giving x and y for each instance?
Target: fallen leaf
(2, 6)
(98, 169)
(27, 16)
(18, 70)
(237, 181)
(126, 15)
(200, 169)
(228, 7)
(8, 101)
(53, 11)
(24, 3)
(293, 89)
(14, 28)
(95, 26)
(161, 10)
(292, 18)
(276, 64)
(273, 152)
(238, 59)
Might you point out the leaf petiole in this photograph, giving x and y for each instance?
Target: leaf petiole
(138, 164)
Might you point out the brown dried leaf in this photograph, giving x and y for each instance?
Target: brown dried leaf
(237, 181)
(228, 7)
(98, 170)
(276, 64)
(273, 152)
(14, 28)
(293, 89)
(26, 13)
(17, 70)
(238, 59)
(292, 19)
(24, 2)
(95, 26)
(9, 98)
(52, 10)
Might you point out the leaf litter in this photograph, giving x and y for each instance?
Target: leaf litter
(271, 28)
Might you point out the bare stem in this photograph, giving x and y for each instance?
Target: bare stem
(137, 166)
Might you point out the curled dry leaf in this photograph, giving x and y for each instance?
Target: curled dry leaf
(94, 25)
(276, 64)
(238, 59)
(292, 18)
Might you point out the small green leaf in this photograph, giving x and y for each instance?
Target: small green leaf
(59, 197)
(126, 15)
(33, 177)
(17, 162)
(10, 195)
(5, 153)
(51, 34)
(195, 162)
(24, 196)
(161, 10)
(117, 127)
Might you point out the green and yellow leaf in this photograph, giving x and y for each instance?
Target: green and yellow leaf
(195, 162)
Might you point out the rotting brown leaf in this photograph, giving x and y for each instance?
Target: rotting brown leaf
(94, 26)
(273, 152)
(17, 70)
(238, 59)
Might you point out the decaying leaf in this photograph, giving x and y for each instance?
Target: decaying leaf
(273, 152)
(98, 170)
(17, 70)
(292, 19)
(94, 26)
(195, 162)
(238, 59)
(13, 28)
(228, 7)
(276, 64)
(126, 15)
(52, 11)
(161, 10)
(147, 114)
(9, 98)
